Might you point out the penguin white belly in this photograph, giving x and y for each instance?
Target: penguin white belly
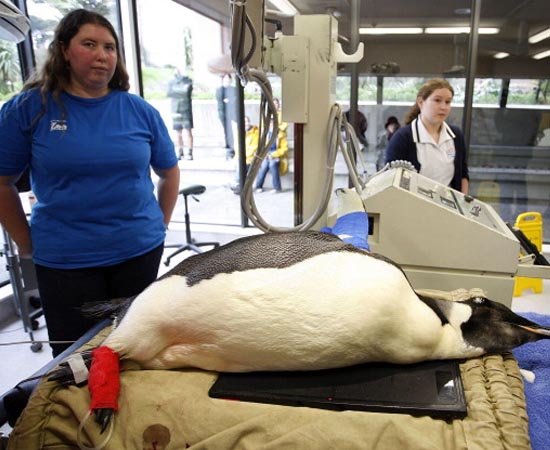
(331, 310)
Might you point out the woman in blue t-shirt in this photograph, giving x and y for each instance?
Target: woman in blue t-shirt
(97, 229)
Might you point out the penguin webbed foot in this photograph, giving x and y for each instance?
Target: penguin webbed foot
(102, 417)
(64, 375)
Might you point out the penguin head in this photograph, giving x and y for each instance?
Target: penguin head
(495, 328)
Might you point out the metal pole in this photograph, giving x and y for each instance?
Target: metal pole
(354, 82)
(298, 174)
(379, 89)
(504, 90)
(240, 143)
(25, 49)
(130, 43)
(354, 43)
(471, 72)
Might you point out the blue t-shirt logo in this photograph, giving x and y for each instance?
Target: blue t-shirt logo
(58, 125)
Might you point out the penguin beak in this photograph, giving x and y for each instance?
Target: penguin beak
(541, 331)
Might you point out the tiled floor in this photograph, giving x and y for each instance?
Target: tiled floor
(19, 361)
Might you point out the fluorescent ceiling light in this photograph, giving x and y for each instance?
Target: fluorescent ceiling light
(447, 30)
(541, 55)
(285, 7)
(431, 30)
(540, 36)
(381, 30)
(501, 55)
(459, 30)
(463, 11)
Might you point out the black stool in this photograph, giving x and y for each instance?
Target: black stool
(190, 243)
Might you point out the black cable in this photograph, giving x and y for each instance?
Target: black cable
(528, 247)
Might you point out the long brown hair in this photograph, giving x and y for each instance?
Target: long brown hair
(424, 92)
(54, 76)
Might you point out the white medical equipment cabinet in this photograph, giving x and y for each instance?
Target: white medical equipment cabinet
(442, 238)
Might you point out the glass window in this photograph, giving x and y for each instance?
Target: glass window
(186, 50)
(401, 90)
(366, 89)
(182, 45)
(45, 16)
(487, 92)
(10, 72)
(529, 92)
(343, 88)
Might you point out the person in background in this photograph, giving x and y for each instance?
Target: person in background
(437, 150)
(360, 127)
(251, 139)
(283, 126)
(271, 163)
(180, 90)
(97, 230)
(226, 96)
(391, 126)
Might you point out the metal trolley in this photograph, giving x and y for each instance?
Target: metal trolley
(23, 279)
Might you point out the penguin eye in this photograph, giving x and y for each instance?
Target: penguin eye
(479, 300)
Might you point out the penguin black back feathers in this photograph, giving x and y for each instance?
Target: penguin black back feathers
(271, 250)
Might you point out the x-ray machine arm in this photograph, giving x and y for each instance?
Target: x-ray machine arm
(307, 64)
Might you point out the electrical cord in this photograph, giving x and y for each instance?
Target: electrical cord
(36, 342)
(337, 122)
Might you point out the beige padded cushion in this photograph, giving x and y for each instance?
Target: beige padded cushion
(172, 409)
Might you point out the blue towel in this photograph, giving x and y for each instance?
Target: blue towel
(352, 228)
(535, 357)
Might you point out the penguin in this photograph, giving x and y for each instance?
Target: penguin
(302, 301)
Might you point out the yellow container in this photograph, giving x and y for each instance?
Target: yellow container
(531, 225)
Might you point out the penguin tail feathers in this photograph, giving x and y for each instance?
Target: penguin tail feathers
(109, 308)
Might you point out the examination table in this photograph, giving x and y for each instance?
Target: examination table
(172, 410)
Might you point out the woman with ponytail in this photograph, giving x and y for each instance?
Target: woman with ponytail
(437, 150)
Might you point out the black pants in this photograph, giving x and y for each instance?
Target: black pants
(64, 291)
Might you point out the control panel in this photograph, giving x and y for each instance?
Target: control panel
(442, 238)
